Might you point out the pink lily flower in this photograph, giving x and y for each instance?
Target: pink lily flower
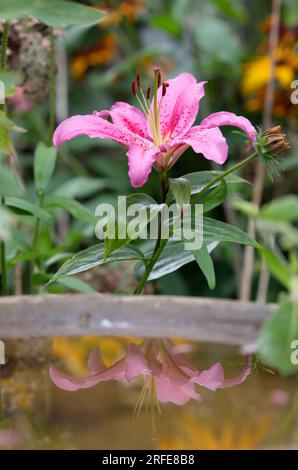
(168, 377)
(159, 134)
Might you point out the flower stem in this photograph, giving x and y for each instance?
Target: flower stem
(4, 45)
(4, 288)
(35, 238)
(224, 175)
(160, 243)
(52, 119)
(52, 90)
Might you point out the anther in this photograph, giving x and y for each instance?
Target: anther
(164, 88)
(133, 88)
(148, 93)
(159, 79)
(139, 81)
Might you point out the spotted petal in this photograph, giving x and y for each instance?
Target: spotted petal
(180, 105)
(127, 117)
(210, 142)
(140, 164)
(224, 118)
(95, 126)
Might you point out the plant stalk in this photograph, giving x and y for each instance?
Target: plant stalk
(52, 90)
(160, 243)
(4, 285)
(223, 175)
(35, 239)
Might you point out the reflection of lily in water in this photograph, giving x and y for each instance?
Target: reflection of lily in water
(168, 376)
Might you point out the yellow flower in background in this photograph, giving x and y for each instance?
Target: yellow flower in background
(102, 53)
(256, 74)
(191, 433)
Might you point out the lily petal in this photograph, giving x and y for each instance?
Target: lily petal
(128, 117)
(224, 118)
(140, 164)
(72, 384)
(214, 378)
(168, 390)
(132, 365)
(180, 105)
(241, 377)
(211, 378)
(135, 363)
(95, 126)
(210, 142)
(95, 362)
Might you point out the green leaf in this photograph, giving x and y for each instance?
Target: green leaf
(23, 207)
(168, 24)
(95, 256)
(181, 189)
(172, 258)
(215, 196)
(10, 79)
(291, 13)
(76, 284)
(205, 263)
(55, 13)
(6, 127)
(8, 124)
(5, 218)
(277, 341)
(247, 208)
(233, 9)
(120, 220)
(284, 208)
(215, 230)
(216, 38)
(76, 209)
(9, 184)
(57, 257)
(200, 179)
(278, 268)
(44, 165)
(29, 256)
(81, 187)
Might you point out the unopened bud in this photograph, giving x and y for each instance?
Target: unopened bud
(270, 144)
(275, 143)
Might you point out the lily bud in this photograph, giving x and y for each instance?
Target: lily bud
(276, 142)
(270, 144)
